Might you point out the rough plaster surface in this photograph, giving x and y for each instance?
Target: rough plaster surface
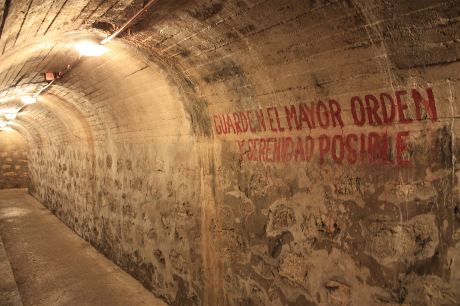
(130, 151)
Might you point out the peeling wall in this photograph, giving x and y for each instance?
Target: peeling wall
(13, 160)
(327, 234)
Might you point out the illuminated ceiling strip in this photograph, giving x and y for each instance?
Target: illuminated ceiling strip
(85, 48)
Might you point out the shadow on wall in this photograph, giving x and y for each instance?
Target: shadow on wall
(14, 172)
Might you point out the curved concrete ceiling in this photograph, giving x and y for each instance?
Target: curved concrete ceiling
(179, 153)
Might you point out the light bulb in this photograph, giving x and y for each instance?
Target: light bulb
(28, 100)
(88, 48)
(6, 129)
(10, 116)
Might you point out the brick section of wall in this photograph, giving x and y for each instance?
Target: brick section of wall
(13, 168)
(14, 172)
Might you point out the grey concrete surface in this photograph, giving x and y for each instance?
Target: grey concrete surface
(53, 266)
(9, 294)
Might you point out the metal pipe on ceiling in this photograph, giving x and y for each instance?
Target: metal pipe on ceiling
(130, 22)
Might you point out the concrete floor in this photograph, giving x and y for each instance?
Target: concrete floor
(53, 266)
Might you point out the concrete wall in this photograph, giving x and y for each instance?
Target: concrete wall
(253, 152)
(13, 160)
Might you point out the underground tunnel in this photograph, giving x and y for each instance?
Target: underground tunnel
(229, 153)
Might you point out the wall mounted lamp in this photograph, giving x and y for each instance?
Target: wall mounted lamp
(6, 129)
(10, 116)
(89, 48)
(28, 99)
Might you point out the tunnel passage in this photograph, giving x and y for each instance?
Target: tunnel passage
(249, 152)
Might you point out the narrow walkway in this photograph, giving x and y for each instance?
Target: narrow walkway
(53, 266)
(9, 294)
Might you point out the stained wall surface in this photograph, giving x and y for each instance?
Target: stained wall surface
(250, 152)
(13, 160)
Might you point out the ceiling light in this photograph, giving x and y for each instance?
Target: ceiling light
(10, 116)
(6, 129)
(8, 110)
(87, 48)
(28, 100)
